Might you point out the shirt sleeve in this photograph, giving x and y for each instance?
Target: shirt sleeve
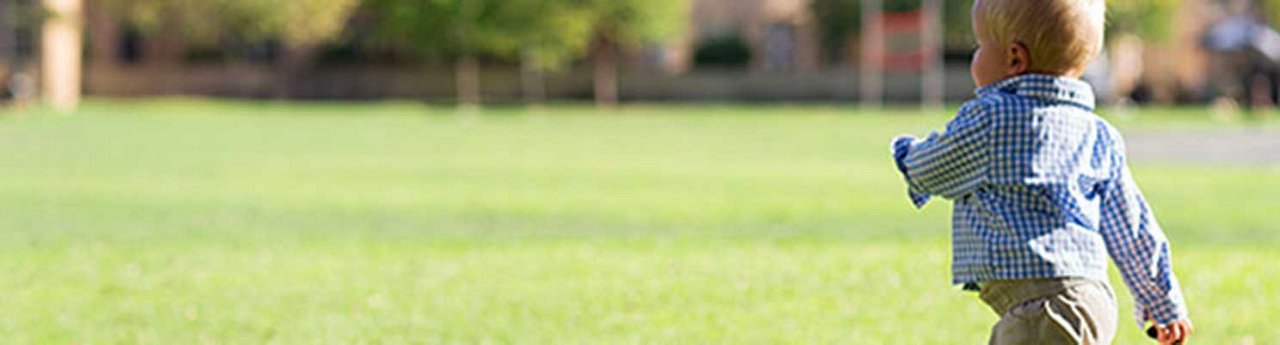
(1140, 250)
(950, 163)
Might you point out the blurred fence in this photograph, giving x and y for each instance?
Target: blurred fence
(500, 83)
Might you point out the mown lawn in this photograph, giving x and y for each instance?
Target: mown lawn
(179, 221)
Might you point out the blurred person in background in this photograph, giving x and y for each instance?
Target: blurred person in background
(1246, 57)
(17, 88)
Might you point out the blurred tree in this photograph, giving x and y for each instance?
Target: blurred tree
(463, 29)
(957, 27)
(1272, 11)
(628, 24)
(1151, 20)
(298, 22)
(300, 25)
(550, 34)
(839, 21)
(546, 34)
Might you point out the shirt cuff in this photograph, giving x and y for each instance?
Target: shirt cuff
(1166, 311)
(901, 147)
(919, 199)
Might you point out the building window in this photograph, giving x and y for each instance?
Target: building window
(780, 47)
(723, 52)
(130, 46)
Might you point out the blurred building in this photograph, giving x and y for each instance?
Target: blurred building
(779, 35)
(1171, 70)
(1181, 68)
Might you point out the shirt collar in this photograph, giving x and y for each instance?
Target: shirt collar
(1045, 87)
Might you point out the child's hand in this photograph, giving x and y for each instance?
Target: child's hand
(1175, 333)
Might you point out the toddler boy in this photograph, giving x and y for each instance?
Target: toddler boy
(1041, 189)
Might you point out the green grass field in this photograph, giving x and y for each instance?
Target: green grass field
(188, 222)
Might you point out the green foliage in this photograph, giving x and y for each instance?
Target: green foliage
(957, 22)
(298, 22)
(553, 31)
(837, 21)
(452, 26)
(1149, 19)
(1272, 11)
(636, 22)
(25, 15)
(840, 20)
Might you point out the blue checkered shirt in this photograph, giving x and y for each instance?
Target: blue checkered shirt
(1041, 189)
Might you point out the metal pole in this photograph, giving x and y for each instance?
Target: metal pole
(933, 88)
(871, 71)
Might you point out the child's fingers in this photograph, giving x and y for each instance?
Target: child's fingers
(1173, 334)
(1184, 332)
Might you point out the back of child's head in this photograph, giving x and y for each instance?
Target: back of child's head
(1061, 36)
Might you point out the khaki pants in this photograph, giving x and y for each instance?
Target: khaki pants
(1051, 311)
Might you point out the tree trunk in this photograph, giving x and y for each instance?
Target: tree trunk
(294, 61)
(871, 70)
(468, 81)
(606, 75)
(61, 54)
(934, 80)
(533, 81)
(7, 47)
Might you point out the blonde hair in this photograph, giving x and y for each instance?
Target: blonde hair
(1061, 36)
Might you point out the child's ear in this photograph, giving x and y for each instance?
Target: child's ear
(1019, 59)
